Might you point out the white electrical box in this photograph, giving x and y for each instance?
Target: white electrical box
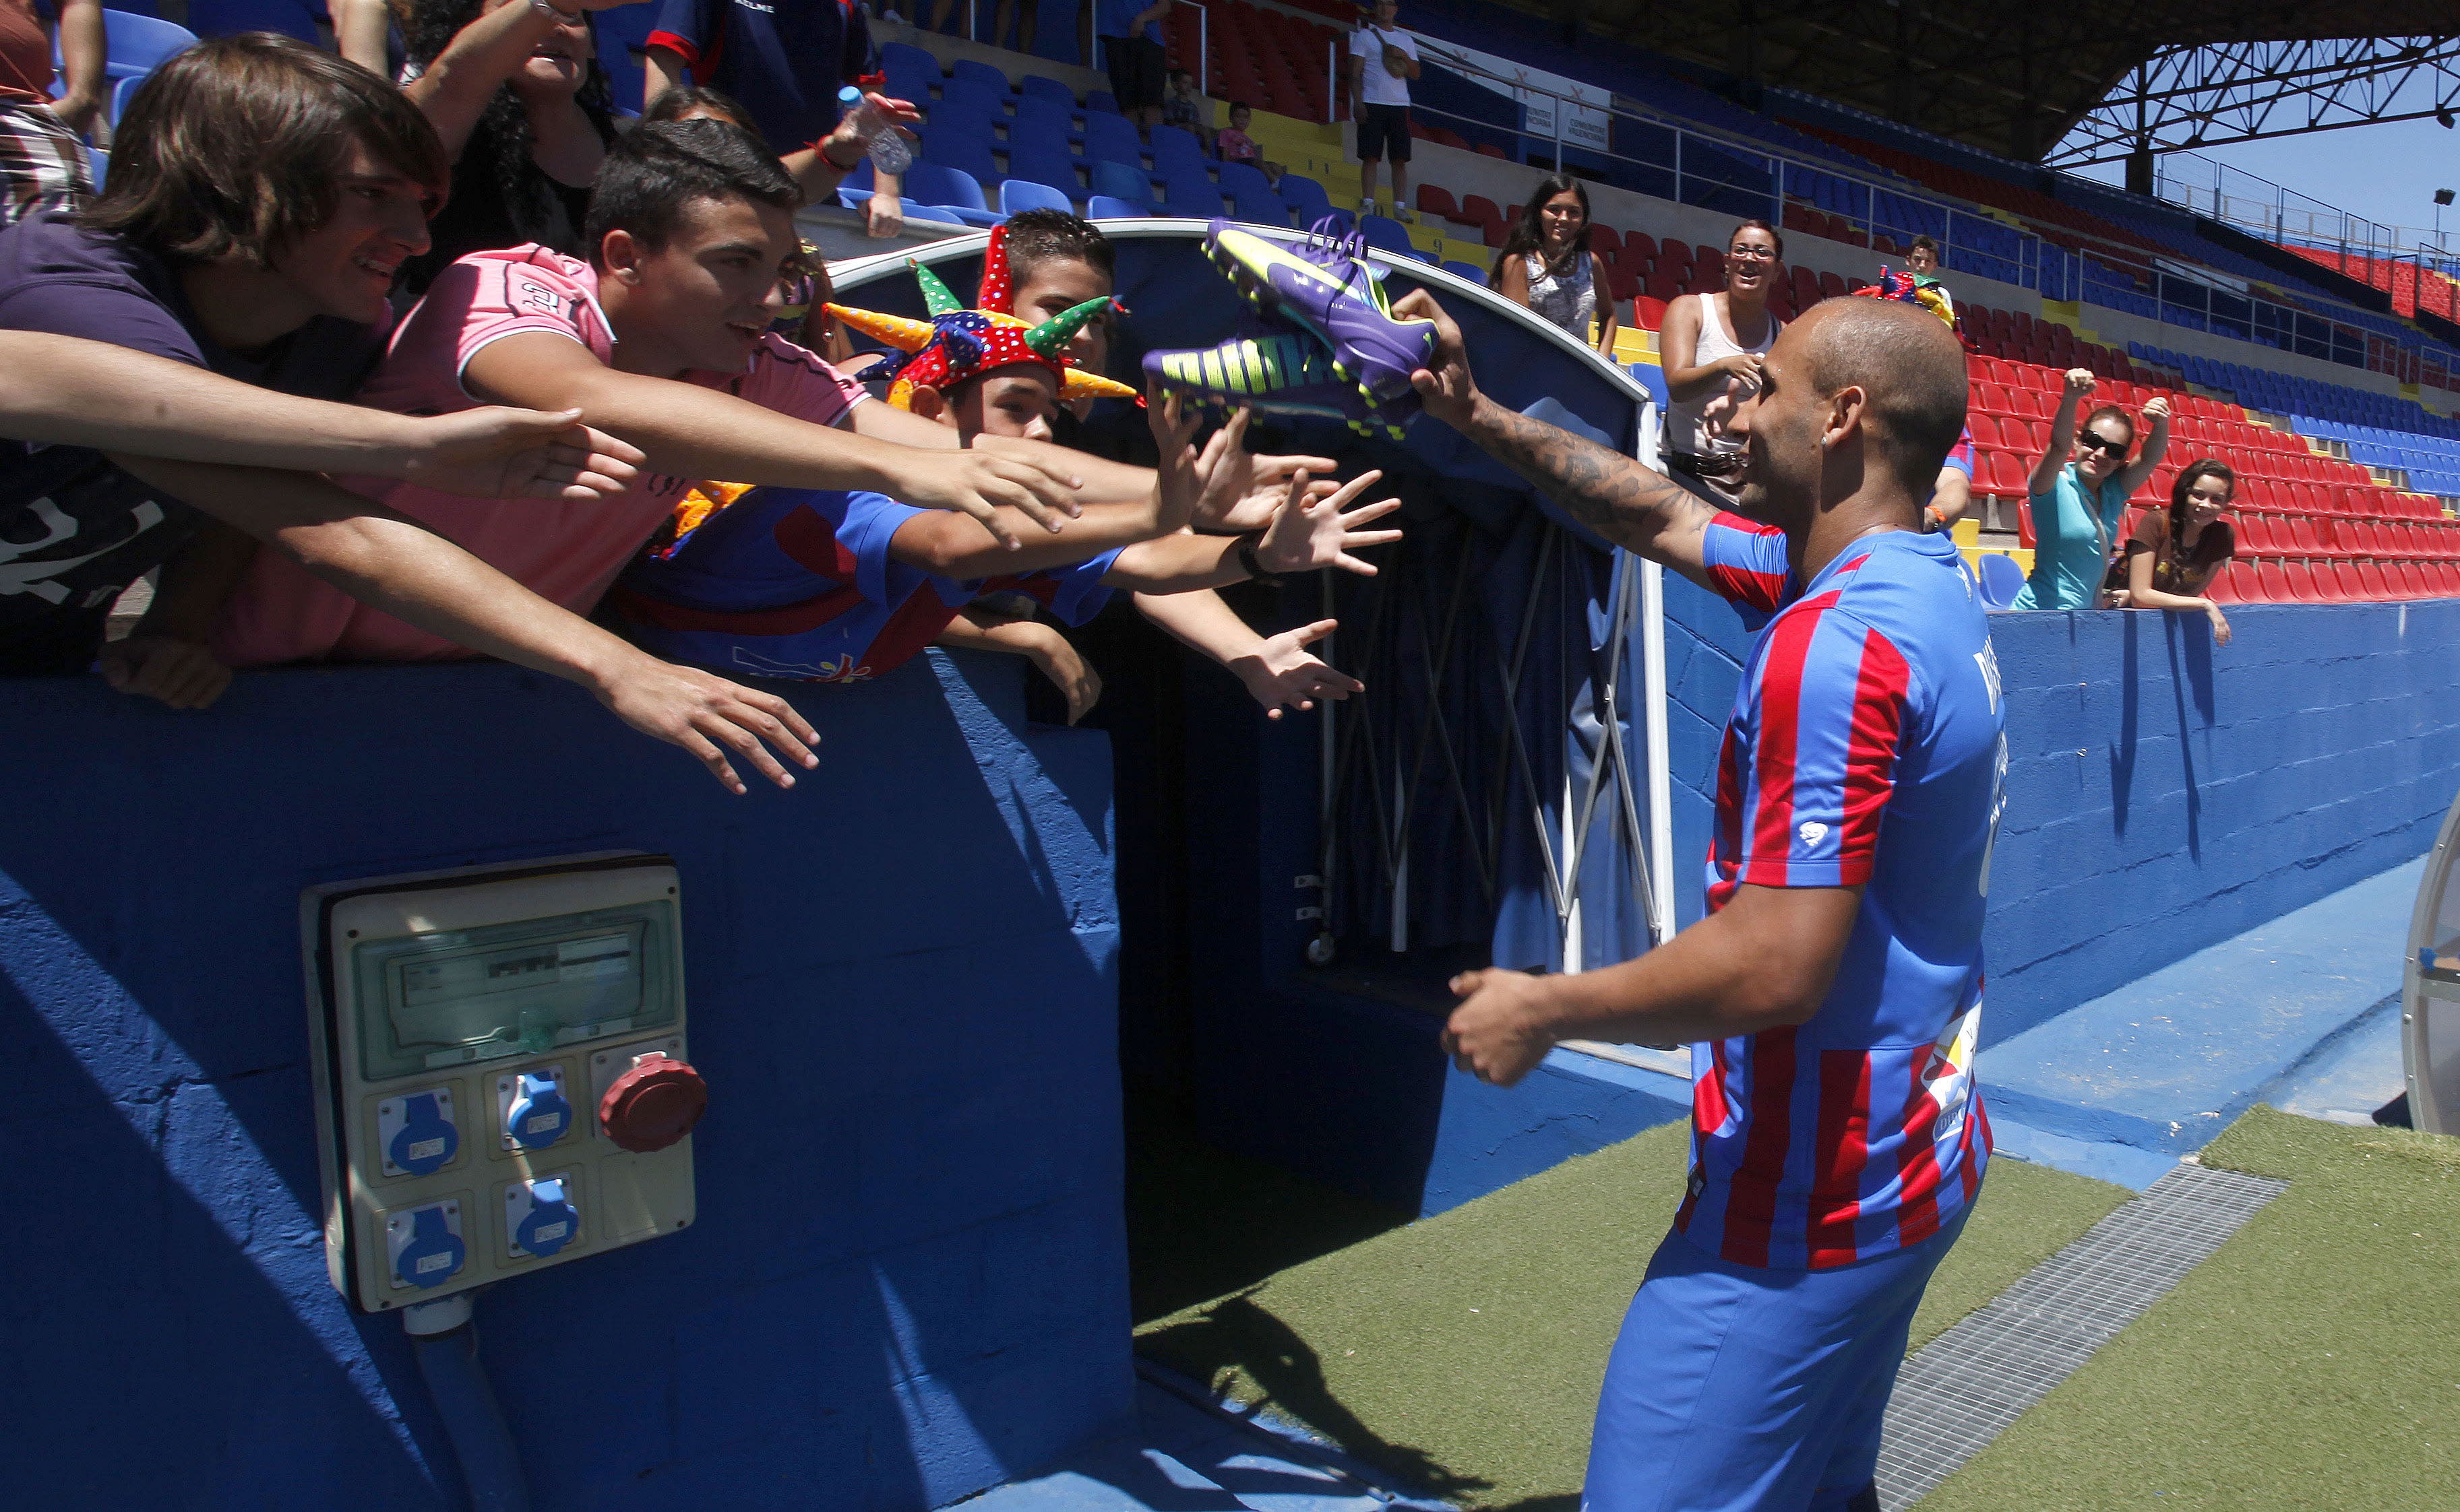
(502, 1078)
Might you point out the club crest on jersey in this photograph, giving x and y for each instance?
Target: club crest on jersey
(1812, 831)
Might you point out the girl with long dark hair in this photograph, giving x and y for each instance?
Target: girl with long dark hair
(2172, 553)
(1546, 263)
(513, 89)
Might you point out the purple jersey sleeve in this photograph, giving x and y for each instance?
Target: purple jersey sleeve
(1745, 561)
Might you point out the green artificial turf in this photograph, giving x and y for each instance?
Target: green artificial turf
(2314, 1361)
(1464, 1352)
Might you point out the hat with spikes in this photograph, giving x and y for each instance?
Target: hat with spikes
(956, 343)
(1906, 288)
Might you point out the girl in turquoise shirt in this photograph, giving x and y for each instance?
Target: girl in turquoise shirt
(2079, 490)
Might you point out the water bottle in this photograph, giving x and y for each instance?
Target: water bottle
(889, 154)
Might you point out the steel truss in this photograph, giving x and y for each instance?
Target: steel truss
(2235, 92)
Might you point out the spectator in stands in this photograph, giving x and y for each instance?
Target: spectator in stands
(692, 224)
(2079, 492)
(1232, 144)
(1710, 348)
(513, 89)
(2172, 554)
(1185, 109)
(815, 168)
(273, 269)
(1131, 49)
(1921, 260)
(40, 151)
(1383, 59)
(1546, 263)
(785, 61)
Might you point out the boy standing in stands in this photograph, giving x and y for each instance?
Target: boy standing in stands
(784, 61)
(272, 268)
(1383, 59)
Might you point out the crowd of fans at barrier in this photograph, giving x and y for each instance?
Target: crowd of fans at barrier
(449, 226)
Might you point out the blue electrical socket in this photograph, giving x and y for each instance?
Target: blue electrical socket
(425, 1245)
(540, 1215)
(538, 1115)
(425, 1139)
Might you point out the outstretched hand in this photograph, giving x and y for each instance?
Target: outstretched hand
(1445, 386)
(1265, 486)
(981, 479)
(707, 716)
(1196, 485)
(1311, 533)
(181, 673)
(1283, 671)
(1499, 1033)
(495, 451)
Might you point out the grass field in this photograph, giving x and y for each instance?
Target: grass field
(1464, 1352)
(2313, 1362)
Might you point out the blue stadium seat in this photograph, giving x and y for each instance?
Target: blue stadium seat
(1039, 86)
(1120, 181)
(1043, 117)
(980, 74)
(1306, 197)
(1472, 272)
(1648, 375)
(101, 162)
(1385, 233)
(1177, 152)
(212, 18)
(958, 103)
(1112, 139)
(133, 46)
(1103, 207)
(2002, 579)
(965, 145)
(953, 190)
(1257, 206)
(1046, 163)
(1236, 175)
(1023, 194)
(1101, 101)
(1193, 195)
(621, 34)
(910, 71)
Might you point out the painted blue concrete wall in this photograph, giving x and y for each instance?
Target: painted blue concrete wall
(2163, 794)
(908, 1279)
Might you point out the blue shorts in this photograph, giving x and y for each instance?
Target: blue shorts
(1737, 1389)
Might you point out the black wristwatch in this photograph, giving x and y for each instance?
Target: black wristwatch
(1247, 559)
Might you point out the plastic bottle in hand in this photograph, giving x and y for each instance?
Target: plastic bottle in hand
(889, 154)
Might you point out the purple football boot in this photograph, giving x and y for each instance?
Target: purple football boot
(1324, 285)
(1277, 373)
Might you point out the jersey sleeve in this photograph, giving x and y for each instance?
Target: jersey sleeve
(1830, 701)
(1960, 455)
(689, 29)
(483, 300)
(107, 311)
(1745, 561)
(1075, 594)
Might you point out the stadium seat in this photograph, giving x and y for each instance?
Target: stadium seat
(1640, 245)
(1047, 118)
(965, 147)
(1649, 312)
(1468, 270)
(1176, 153)
(1436, 200)
(1193, 195)
(1046, 163)
(1023, 194)
(1255, 206)
(1112, 139)
(1039, 86)
(1476, 210)
(1120, 181)
(953, 190)
(981, 73)
(621, 34)
(1385, 233)
(1109, 207)
(1101, 101)
(1305, 196)
(2001, 580)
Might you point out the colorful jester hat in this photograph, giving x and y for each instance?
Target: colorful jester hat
(1903, 286)
(956, 343)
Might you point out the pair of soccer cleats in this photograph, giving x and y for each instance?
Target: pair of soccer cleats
(1323, 341)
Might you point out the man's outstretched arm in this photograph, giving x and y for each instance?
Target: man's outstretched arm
(1625, 502)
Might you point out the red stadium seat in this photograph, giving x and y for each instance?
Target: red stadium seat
(1983, 429)
(2370, 577)
(2345, 576)
(2222, 588)
(1478, 210)
(1639, 243)
(2271, 587)
(1437, 201)
(1649, 312)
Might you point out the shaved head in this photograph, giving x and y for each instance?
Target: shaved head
(1908, 364)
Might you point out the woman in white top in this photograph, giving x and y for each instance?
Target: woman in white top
(1710, 349)
(1546, 263)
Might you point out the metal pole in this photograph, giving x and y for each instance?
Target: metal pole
(1331, 81)
(1661, 761)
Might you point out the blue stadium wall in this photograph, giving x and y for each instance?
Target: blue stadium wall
(2162, 796)
(909, 1277)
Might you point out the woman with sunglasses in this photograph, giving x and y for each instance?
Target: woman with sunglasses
(2079, 492)
(1710, 349)
(2172, 554)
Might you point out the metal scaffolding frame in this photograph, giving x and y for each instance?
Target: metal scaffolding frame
(2251, 91)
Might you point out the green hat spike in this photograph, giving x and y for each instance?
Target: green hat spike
(936, 297)
(1048, 338)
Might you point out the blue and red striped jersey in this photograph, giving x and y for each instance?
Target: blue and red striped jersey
(1867, 747)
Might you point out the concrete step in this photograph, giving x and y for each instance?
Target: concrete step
(2162, 1064)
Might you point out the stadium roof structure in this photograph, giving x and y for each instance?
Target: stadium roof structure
(2076, 82)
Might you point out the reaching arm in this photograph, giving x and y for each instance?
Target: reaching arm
(689, 431)
(1606, 321)
(2063, 425)
(361, 29)
(382, 558)
(454, 90)
(2148, 456)
(1949, 496)
(84, 87)
(661, 72)
(65, 392)
(1047, 648)
(1098, 478)
(1513, 282)
(1613, 494)
(1763, 961)
(1277, 670)
(2142, 594)
(1677, 342)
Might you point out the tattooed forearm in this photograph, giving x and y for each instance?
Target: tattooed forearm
(1609, 493)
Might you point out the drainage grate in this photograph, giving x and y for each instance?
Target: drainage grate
(1979, 1376)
